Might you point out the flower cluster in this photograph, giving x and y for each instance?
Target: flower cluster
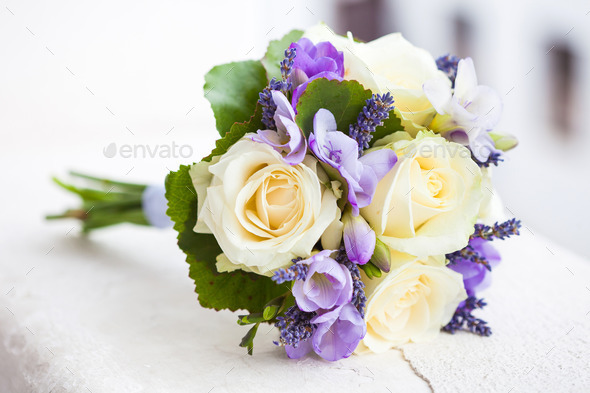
(351, 221)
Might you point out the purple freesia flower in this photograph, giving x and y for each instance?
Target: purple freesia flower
(287, 139)
(359, 238)
(312, 62)
(327, 284)
(303, 348)
(341, 152)
(475, 275)
(338, 332)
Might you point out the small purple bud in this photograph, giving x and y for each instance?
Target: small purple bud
(359, 238)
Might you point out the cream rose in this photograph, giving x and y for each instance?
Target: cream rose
(410, 304)
(428, 203)
(389, 64)
(262, 211)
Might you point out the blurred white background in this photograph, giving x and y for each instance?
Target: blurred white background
(77, 76)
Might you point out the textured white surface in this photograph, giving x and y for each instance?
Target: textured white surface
(539, 310)
(116, 313)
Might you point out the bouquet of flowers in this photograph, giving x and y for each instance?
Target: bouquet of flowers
(348, 201)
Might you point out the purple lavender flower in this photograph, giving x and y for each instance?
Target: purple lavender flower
(463, 319)
(287, 139)
(375, 111)
(498, 231)
(359, 238)
(341, 152)
(448, 64)
(475, 275)
(312, 62)
(327, 284)
(338, 332)
(296, 331)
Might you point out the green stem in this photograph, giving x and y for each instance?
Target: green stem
(109, 182)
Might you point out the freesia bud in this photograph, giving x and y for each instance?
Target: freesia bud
(504, 142)
(382, 256)
(359, 238)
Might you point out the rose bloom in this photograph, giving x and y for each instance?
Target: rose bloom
(429, 202)
(389, 64)
(262, 211)
(410, 304)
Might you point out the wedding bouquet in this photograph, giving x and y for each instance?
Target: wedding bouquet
(348, 201)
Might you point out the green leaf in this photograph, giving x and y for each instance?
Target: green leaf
(275, 53)
(232, 89)
(390, 125)
(237, 131)
(344, 99)
(233, 291)
(248, 339)
(249, 319)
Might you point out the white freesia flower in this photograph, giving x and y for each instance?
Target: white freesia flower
(428, 203)
(467, 112)
(263, 211)
(389, 64)
(410, 304)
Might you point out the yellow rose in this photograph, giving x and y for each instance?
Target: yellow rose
(410, 304)
(262, 211)
(428, 203)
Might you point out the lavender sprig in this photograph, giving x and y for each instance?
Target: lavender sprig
(359, 299)
(468, 253)
(493, 159)
(296, 272)
(497, 231)
(463, 318)
(448, 64)
(295, 327)
(268, 105)
(287, 64)
(265, 100)
(376, 110)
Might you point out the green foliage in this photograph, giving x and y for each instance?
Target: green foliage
(232, 89)
(275, 53)
(248, 339)
(236, 132)
(344, 99)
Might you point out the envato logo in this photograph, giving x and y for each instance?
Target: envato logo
(452, 150)
(147, 151)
